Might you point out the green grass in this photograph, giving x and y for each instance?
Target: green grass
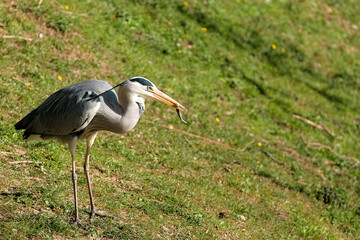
(252, 64)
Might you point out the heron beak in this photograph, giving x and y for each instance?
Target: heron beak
(162, 97)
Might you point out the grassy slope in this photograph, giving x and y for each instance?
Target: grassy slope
(161, 183)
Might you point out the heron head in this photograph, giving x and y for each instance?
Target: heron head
(145, 88)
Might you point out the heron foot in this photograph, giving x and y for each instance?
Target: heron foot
(95, 213)
(78, 222)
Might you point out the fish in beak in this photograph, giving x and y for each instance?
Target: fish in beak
(162, 97)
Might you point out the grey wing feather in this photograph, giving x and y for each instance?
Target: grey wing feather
(68, 110)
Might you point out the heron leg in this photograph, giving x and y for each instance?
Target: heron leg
(89, 143)
(72, 147)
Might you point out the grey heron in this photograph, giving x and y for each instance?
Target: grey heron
(80, 110)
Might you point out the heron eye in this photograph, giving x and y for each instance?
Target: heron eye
(149, 88)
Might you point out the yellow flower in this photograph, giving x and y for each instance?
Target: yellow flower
(283, 50)
(273, 46)
(59, 78)
(74, 8)
(66, 7)
(180, 51)
(204, 29)
(31, 89)
(112, 17)
(217, 119)
(186, 4)
(259, 144)
(171, 127)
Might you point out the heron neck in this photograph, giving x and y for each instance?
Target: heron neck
(131, 113)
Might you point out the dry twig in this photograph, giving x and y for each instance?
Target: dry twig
(76, 14)
(4, 153)
(27, 84)
(208, 140)
(43, 169)
(25, 162)
(204, 139)
(22, 162)
(292, 152)
(315, 145)
(16, 37)
(244, 148)
(189, 142)
(272, 158)
(311, 123)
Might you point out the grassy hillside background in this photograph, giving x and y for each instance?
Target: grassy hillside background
(271, 149)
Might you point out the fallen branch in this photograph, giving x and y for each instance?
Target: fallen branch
(43, 169)
(4, 153)
(315, 145)
(311, 123)
(190, 70)
(24, 162)
(244, 148)
(204, 139)
(273, 158)
(189, 142)
(16, 37)
(213, 141)
(76, 14)
(208, 140)
(291, 151)
(27, 84)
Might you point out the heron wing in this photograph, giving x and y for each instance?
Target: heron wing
(68, 110)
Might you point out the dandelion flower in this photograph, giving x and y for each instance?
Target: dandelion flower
(66, 7)
(186, 4)
(171, 127)
(217, 119)
(74, 8)
(259, 144)
(180, 51)
(273, 46)
(283, 50)
(204, 29)
(31, 89)
(59, 78)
